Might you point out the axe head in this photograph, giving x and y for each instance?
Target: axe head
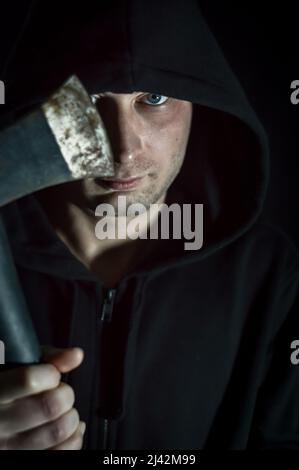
(79, 131)
(63, 140)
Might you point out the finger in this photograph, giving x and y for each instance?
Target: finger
(75, 442)
(23, 415)
(48, 435)
(63, 359)
(27, 380)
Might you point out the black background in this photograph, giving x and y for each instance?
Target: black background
(261, 42)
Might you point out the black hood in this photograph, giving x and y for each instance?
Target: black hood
(158, 47)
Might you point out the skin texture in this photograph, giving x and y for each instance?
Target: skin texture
(149, 135)
(146, 139)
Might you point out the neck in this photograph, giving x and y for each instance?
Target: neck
(109, 258)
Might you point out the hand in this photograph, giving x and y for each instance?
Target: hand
(36, 408)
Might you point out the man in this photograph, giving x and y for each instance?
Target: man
(183, 349)
(149, 141)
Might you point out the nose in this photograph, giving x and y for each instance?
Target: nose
(123, 129)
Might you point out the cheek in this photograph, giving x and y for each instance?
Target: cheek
(167, 135)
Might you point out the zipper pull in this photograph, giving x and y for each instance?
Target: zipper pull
(108, 303)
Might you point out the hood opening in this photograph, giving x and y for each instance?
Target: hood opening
(158, 47)
(225, 170)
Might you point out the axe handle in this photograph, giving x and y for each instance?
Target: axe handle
(16, 328)
(30, 158)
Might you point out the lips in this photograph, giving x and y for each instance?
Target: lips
(121, 183)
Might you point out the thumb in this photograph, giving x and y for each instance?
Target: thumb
(63, 359)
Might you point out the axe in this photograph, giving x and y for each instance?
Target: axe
(61, 141)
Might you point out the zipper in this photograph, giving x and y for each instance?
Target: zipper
(106, 315)
(108, 303)
(105, 434)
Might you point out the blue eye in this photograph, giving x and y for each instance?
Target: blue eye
(155, 99)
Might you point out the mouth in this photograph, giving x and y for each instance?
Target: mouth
(120, 184)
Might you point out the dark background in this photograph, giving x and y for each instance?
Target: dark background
(261, 42)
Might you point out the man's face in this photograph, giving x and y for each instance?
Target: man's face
(148, 135)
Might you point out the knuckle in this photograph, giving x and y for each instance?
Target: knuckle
(67, 394)
(62, 428)
(31, 377)
(28, 379)
(50, 405)
(58, 431)
(56, 402)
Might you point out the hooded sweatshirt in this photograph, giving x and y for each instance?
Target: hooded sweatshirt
(192, 348)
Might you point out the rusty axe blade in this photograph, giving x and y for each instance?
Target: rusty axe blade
(63, 140)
